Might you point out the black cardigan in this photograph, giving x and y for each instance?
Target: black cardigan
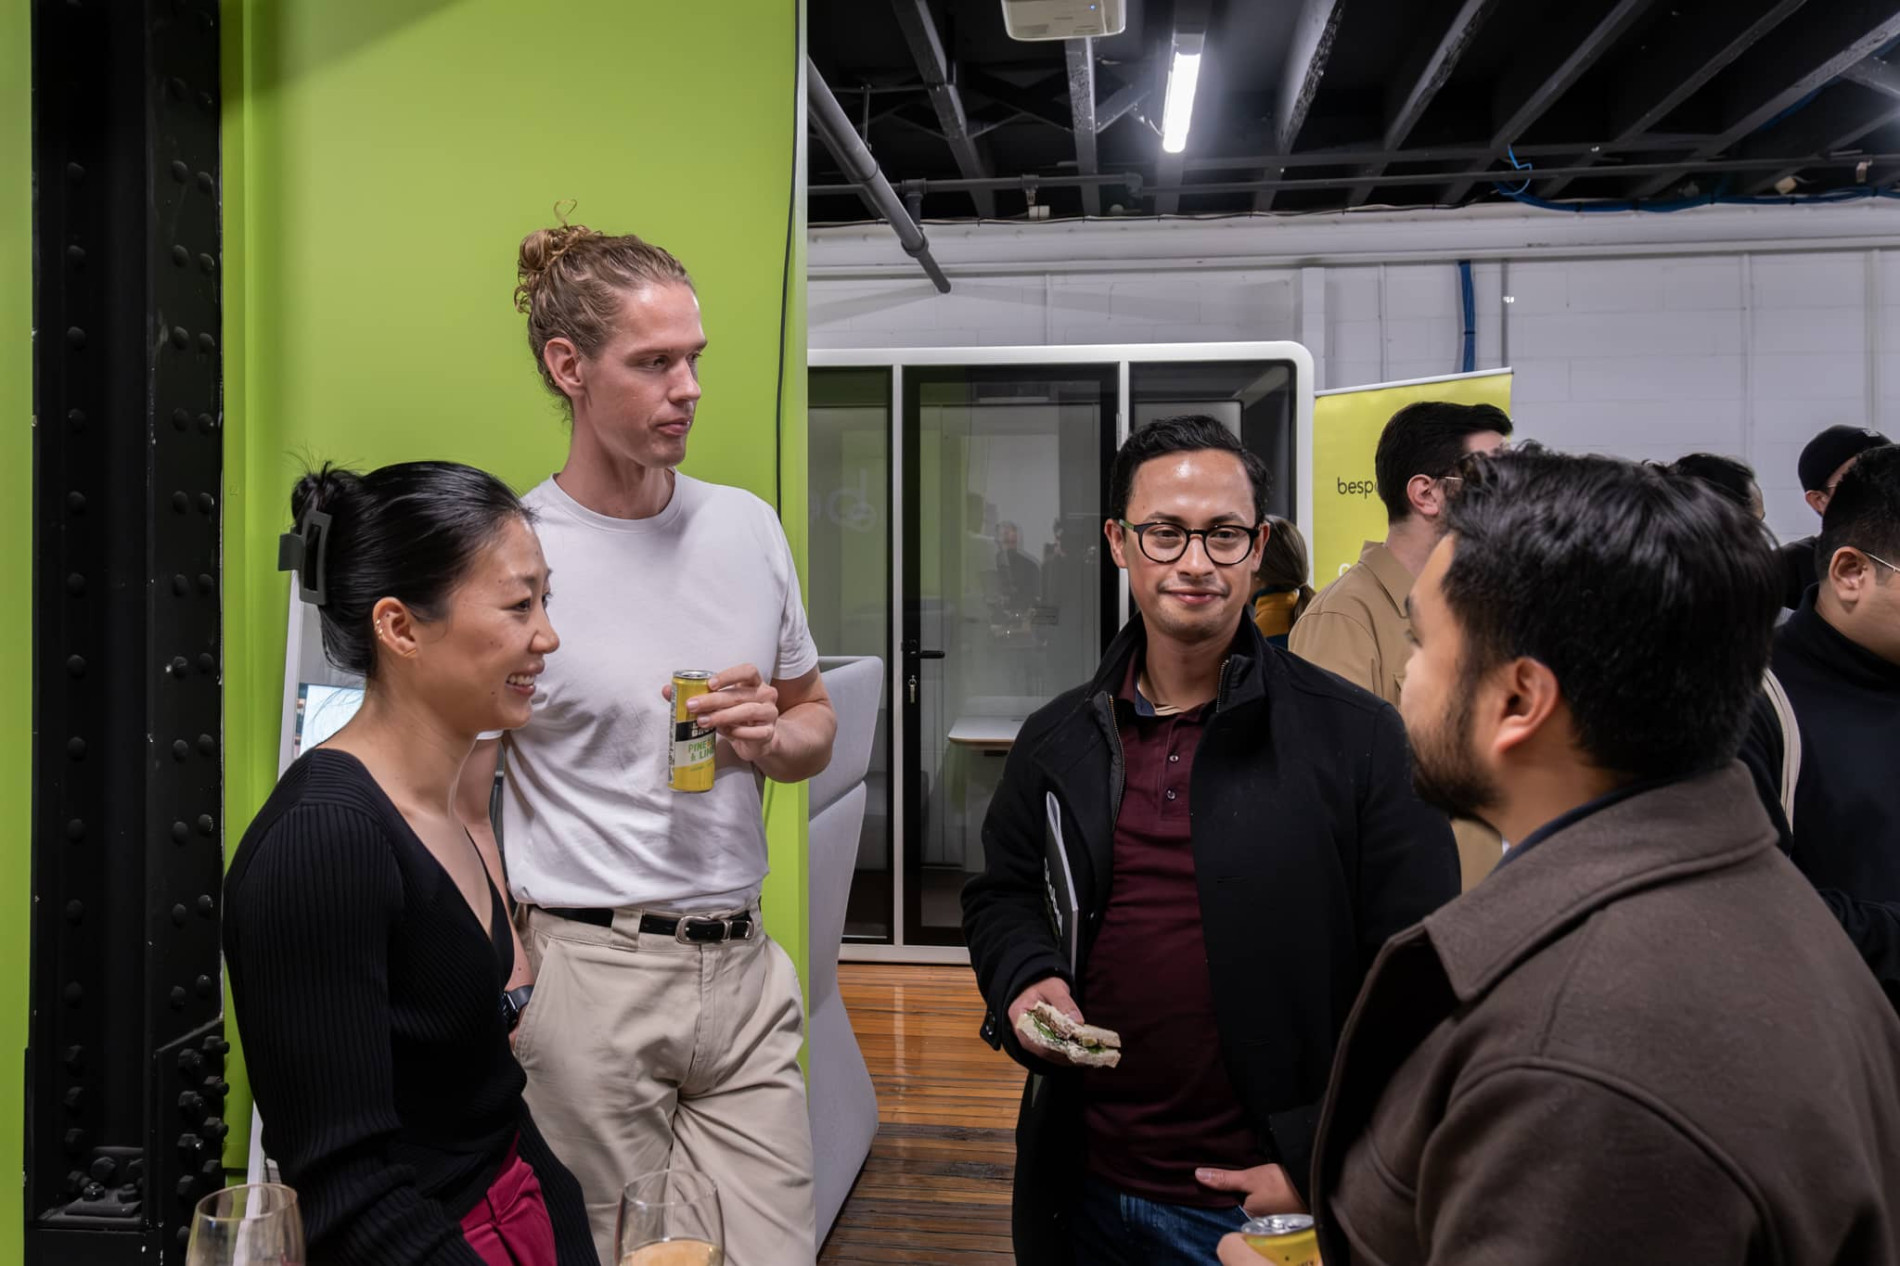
(1310, 849)
(368, 999)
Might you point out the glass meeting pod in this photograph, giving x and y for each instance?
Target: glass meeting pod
(957, 497)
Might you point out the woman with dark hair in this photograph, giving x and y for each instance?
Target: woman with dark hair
(1281, 592)
(368, 943)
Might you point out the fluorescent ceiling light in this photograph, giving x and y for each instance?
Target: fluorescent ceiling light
(1183, 75)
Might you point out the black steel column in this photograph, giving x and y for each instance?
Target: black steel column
(125, 1088)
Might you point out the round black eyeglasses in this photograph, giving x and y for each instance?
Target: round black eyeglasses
(1165, 542)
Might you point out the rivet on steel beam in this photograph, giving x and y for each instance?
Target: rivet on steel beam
(74, 1098)
(76, 256)
(76, 748)
(180, 419)
(180, 585)
(206, 183)
(207, 423)
(190, 1102)
(181, 339)
(179, 998)
(190, 1063)
(75, 993)
(74, 1059)
(75, 584)
(207, 503)
(76, 337)
(206, 825)
(187, 1188)
(180, 833)
(75, 911)
(76, 418)
(181, 256)
(206, 904)
(180, 502)
(179, 915)
(75, 1140)
(207, 663)
(76, 502)
(75, 828)
(207, 584)
(213, 1170)
(75, 173)
(207, 344)
(178, 88)
(181, 750)
(214, 1129)
(180, 172)
(207, 746)
(207, 264)
(179, 667)
(76, 665)
(206, 987)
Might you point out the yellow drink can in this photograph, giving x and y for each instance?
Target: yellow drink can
(1287, 1239)
(690, 756)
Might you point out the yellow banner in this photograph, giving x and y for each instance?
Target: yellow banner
(1347, 511)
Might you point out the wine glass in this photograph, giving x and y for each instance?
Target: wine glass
(670, 1218)
(255, 1225)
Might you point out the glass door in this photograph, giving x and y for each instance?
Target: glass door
(1006, 594)
(848, 595)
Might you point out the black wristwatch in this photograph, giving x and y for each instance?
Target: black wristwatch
(513, 1003)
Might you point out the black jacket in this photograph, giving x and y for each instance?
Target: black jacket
(1310, 849)
(1846, 830)
(1797, 570)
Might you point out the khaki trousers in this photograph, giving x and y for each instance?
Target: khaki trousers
(644, 1054)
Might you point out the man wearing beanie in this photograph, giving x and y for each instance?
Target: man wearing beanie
(1827, 457)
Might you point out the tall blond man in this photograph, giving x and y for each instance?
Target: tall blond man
(1358, 626)
(664, 1025)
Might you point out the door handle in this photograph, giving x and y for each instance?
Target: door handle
(913, 687)
(928, 654)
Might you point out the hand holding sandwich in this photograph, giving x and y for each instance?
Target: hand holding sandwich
(1049, 1023)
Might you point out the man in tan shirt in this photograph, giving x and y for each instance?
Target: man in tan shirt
(1358, 627)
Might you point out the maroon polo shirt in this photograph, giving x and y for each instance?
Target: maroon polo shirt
(1169, 1107)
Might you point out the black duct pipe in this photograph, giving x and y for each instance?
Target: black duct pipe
(834, 128)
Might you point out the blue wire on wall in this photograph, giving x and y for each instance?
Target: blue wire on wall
(1471, 316)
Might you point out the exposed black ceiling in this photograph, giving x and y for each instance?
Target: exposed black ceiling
(1313, 105)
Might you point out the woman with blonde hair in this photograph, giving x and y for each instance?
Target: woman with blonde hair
(1281, 593)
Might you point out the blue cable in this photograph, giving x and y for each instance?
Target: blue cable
(1471, 316)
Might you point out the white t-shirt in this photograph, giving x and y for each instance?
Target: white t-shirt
(588, 818)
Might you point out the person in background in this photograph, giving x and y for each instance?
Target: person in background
(1837, 659)
(1281, 592)
(1643, 1038)
(1357, 627)
(1218, 807)
(1733, 479)
(665, 1026)
(1018, 575)
(1824, 462)
(365, 932)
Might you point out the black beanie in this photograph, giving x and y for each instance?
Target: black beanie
(1827, 451)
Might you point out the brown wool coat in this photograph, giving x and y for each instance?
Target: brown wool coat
(1645, 1040)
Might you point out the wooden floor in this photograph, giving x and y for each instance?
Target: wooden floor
(936, 1188)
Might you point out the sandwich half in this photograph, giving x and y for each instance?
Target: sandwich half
(1084, 1044)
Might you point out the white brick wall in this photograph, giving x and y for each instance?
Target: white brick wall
(1646, 356)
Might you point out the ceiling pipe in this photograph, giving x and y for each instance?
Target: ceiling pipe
(834, 128)
(1134, 181)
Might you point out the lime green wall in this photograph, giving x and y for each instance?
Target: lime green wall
(16, 577)
(383, 158)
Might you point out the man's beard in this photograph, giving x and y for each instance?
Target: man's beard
(1444, 772)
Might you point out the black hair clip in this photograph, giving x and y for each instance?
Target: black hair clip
(305, 552)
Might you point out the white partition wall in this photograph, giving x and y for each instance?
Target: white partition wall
(957, 502)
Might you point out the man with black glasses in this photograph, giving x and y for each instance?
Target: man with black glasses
(1240, 835)
(1826, 767)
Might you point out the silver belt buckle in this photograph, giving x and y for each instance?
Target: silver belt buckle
(686, 922)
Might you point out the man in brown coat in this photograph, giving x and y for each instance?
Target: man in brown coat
(1643, 1038)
